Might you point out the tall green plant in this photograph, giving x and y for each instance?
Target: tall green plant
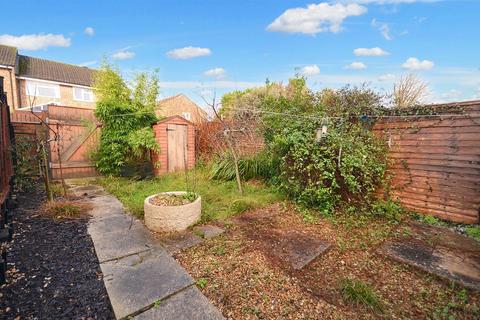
(126, 116)
(339, 169)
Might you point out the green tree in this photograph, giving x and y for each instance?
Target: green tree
(126, 116)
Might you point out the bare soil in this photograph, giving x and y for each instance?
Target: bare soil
(246, 278)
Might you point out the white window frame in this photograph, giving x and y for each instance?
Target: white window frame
(187, 116)
(83, 94)
(34, 85)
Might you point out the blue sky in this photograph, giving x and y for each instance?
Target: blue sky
(227, 45)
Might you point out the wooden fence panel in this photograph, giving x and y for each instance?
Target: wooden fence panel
(79, 133)
(435, 161)
(6, 160)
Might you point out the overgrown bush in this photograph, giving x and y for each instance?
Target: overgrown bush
(126, 116)
(339, 168)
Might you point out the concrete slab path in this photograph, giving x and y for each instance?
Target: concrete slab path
(143, 280)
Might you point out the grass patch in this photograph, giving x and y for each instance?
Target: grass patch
(66, 209)
(360, 293)
(220, 199)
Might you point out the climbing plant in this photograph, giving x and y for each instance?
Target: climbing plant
(126, 116)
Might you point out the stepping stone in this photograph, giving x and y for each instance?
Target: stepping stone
(299, 249)
(136, 282)
(208, 231)
(188, 304)
(179, 241)
(438, 251)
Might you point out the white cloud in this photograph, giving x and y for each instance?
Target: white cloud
(386, 77)
(310, 70)
(414, 64)
(188, 52)
(215, 73)
(123, 55)
(356, 65)
(370, 52)
(35, 41)
(88, 63)
(89, 31)
(383, 28)
(315, 18)
(388, 1)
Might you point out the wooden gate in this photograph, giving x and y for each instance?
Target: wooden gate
(177, 147)
(78, 132)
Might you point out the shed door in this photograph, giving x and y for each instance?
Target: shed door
(177, 147)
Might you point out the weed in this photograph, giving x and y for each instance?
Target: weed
(360, 292)
(202, 282)
(241, 205)
(473, 231)
(157, 303)
(219, 251)
(200, 234)
(388, 209)
(65, 209)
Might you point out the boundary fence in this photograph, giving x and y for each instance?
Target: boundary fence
(6, 178)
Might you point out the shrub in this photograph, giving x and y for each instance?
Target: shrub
(255, 166)
(126, 116)
(338, 169)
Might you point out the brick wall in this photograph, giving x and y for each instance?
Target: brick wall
(66, 98)
(10, 87)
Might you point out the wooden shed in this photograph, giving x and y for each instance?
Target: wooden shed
(176, 137)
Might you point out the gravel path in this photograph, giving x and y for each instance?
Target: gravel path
(53, 270)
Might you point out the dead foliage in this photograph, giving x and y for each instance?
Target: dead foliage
(66, 209)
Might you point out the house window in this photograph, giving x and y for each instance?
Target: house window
(186, 115)
(42, 89)
(82, 94)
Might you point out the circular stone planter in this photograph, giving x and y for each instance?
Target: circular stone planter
(171, 218)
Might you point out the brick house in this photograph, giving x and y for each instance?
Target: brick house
(181, 105)
(33, 81)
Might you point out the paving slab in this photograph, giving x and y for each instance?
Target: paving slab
(208, 231)
(438, 251)
(299, 249)
(176, 242)
(139, 280)
(191, 303)
(116, 244)
(137, 270)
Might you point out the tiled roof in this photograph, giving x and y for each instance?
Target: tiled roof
(8, 56)
(54, 71)
(178, 101)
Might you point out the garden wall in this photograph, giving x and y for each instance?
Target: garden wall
(436, 161)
